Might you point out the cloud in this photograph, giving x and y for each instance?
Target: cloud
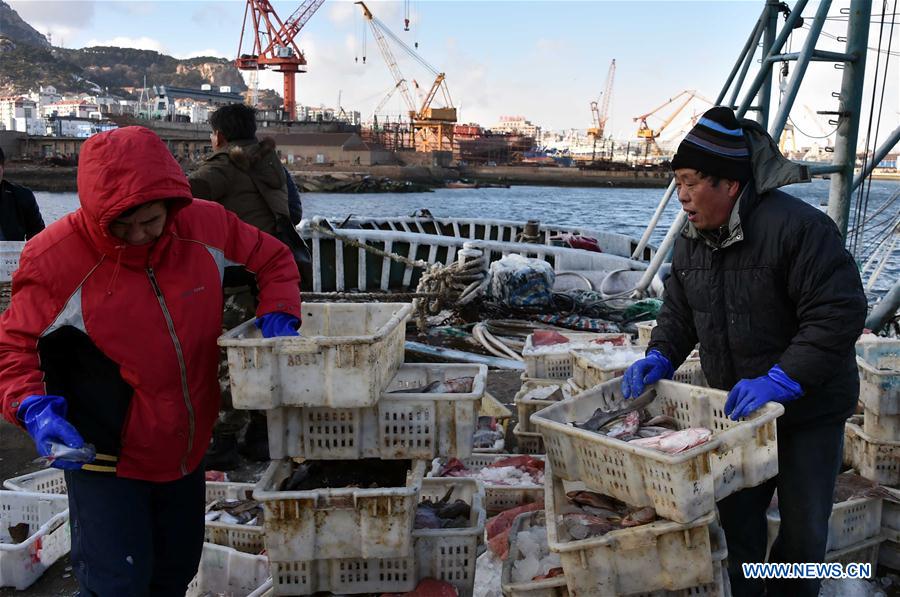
(140, 43)
(343, 12)
(63, 20)
(207, 52)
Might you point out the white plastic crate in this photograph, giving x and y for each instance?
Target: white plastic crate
(408, 425)
(528, 442)
(10, 251)
(851, 522)
(587, 373)
(719, 587)
(449, 554)
(444, 554)
(661, 555)
(645, 330)
(881, 427)
(890, 513)
(227, 571)
(875, 460)
(889, 554)
(859, 553)
(682, 487)
(555, 361)
(318, 524)
(48, 535)
(49, 480)
(346, 355)
(528, 406)
(498, 498)
(878, 361)
(243, 537)
(551, 587)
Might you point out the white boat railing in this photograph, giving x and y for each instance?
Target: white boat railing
(495, 230)
(443, 249)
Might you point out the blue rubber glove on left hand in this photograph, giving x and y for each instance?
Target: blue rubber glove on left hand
(278, 324)
(748, 395)
(646, 371)
(45, 419)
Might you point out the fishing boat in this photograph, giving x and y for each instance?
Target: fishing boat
(376, 253)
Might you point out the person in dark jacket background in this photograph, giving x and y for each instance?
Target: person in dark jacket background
(246, 176)
(20, 218)
(763, 282)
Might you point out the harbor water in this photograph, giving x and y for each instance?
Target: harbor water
(625, 211)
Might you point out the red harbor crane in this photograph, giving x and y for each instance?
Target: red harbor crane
(274, 45)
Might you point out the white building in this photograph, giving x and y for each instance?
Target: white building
(20, 114)
(321, 113)
(77, 108)
(518, 125)
(74, 126)
(196, 112)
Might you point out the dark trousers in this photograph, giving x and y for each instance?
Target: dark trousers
(135, 538)
(809, 459)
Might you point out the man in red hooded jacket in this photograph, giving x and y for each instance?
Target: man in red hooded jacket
(110, 340)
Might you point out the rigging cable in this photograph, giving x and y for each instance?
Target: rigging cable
(862, 200)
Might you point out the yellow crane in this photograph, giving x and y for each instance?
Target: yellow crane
(432, 128)
(601, 115)
(650, 135)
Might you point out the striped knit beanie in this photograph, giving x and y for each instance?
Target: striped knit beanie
(715, 146)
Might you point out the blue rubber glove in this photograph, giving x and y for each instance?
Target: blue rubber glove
(278, 324)
(646, 371)
(748, 395)
(45, 419)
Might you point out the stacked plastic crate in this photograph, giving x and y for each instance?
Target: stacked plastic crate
(682, 552)
(549, 366)
(872, 441)
(340, 391)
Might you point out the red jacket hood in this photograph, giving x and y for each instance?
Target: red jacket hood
(124, 168)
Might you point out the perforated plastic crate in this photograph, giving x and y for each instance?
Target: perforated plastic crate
(227, 571)
(399, 426)
(49, 480)
(889, 554)
(551, 587)
(878, 361)
(444, 554)
(890, 510)
(881, 427)
(645, 330)
(302, 526)
(851, 522)
(243, 537)
(498, 498)
(555, 361)
(528, 442)
(346, 355)
(588, 372)
(682, 487)
(661, 555)
(875, 460)
(10, 251)
(47, 535)
(864, 552)
(528, 406)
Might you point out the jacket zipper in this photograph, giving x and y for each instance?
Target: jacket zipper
(181, 365)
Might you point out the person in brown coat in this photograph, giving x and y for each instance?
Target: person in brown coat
(246, 176)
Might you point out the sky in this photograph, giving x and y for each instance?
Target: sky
(545, 60)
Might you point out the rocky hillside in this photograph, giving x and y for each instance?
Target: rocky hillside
(13, 27)
(27, 61)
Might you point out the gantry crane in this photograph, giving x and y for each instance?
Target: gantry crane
(600, 115)
(274, 46)
(650, 135)
(432, 128)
